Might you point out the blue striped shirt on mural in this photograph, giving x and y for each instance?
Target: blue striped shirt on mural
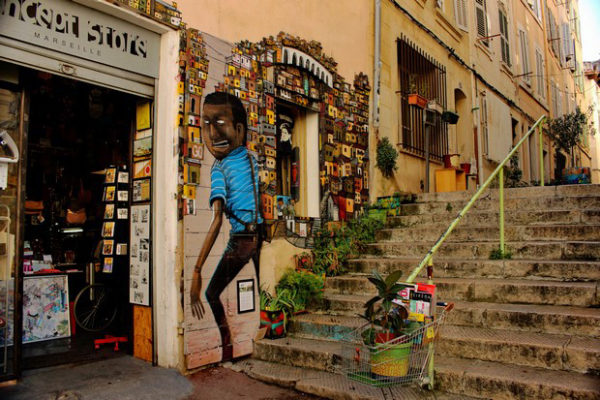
(231, 180)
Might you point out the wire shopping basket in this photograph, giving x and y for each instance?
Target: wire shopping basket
(400, 361)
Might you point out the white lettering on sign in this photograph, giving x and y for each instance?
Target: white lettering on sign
(77, 30)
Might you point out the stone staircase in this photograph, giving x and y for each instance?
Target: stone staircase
(523, 328)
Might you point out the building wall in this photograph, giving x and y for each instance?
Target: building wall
(344, 27)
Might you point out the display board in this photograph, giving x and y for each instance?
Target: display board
(45, 308)
(139, 256)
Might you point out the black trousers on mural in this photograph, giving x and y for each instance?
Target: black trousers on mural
(240, 249)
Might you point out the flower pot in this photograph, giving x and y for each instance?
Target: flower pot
(274, 321)
(450, 117)
(378, 214)
(417, 100)
(576, 175)
(451, 160)
(391, 361)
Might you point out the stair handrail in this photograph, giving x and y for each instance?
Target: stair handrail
(499, 171)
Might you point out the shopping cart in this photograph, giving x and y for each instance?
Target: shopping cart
(403, 360)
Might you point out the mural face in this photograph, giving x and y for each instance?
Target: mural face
(221, 135)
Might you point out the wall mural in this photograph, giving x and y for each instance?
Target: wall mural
(251, 126)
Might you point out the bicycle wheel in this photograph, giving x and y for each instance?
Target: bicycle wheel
(95, 307)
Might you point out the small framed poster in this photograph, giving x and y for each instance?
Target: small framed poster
(122, 195)
(141, 190)
(107, 247)
(123, 177)
(142, 148)
(122, 213)
(108, 229)
(110, 175)
(108, 265)
(109, 193)
(109, 211)
(142, 115)
(142, 169)
(245, 296)
(121, 249)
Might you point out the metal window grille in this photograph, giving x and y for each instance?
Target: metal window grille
(418, 71)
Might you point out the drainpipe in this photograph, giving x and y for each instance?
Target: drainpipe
(376, 85)
(377, 67)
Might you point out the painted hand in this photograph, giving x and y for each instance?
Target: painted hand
(196, 302)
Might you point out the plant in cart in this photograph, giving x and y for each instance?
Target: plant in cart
(386, 335)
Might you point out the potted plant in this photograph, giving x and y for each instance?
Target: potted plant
(417, 94)
(566, 133)
(274, 312)
(386, 157)
(450, 117)
(390, 353)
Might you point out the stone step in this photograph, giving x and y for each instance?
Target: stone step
(550, 351)
(541, 216)
(524, 192)
(487, 203)
(300, 352)
(568, 250)
(578, 321)
(324, 326)
(582, 294)
(494, 380)
(465, 268)
(332, 386)
(515, 233)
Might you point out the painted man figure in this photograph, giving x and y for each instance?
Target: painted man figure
(234, 192)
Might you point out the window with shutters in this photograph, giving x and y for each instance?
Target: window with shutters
(484, 124)
(536, 6)
(525, 71)
(554, 99)
(539, 72)
(505, 48)
(460, 13)
(482, 25)
(568, 45)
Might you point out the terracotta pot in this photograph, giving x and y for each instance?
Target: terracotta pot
(415, 99)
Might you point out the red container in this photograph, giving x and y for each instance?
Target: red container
(466, 167)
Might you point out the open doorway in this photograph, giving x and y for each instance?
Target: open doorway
(76, 227)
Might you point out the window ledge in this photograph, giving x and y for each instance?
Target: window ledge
(486, 50)
(421, 3)
(507, 69)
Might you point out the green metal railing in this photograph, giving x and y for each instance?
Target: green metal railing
(499, 171)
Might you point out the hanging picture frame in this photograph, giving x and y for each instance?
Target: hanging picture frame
(141, 190)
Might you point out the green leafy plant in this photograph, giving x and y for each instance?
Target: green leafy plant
(566, 131)
(303, 287)
(386, 157)
(381, 312)
(332, 248)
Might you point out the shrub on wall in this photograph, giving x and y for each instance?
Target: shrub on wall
(386, 157)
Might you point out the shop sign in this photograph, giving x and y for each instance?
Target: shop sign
(73, 29)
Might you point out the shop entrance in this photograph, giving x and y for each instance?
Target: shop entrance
(76, 227)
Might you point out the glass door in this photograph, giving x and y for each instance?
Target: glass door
(12, 103)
